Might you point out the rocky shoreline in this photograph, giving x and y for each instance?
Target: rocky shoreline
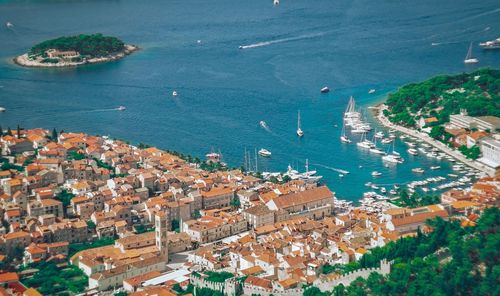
(24, 61)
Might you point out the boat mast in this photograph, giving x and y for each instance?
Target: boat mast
(298, 121)
(469, 52)
(256, 162)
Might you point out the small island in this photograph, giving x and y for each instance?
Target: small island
(75, 50)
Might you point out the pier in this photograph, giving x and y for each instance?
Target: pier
(425, 137)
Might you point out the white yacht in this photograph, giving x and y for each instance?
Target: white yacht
(376, 174)
(300, 133)
(343, 137)
(377, 151)
(325, 89)
(412, 151)
(386, 141)
(379, 135)
(418, 170)
(393, 158)
(121, 108)
(264, 152)
(469, 59)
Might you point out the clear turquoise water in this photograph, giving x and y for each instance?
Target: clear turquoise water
(224, 92)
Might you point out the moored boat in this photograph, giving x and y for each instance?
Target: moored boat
(325, 89)
(469, 59)
(264, 152)
(418, 170)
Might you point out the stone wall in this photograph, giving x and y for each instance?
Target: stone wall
(347, 279)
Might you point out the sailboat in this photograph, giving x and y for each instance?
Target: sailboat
(300, 133)
(343, 137)
(469, 59)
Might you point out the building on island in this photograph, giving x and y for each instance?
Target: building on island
(54, 53)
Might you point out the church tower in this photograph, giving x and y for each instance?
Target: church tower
(161, 231)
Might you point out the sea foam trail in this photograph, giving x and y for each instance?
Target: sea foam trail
(330, 168)
(270, 42)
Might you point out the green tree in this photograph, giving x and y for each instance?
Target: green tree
(175, 225)
(235, 202)
(54, 135)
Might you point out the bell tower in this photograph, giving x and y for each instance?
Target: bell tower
(161, 233)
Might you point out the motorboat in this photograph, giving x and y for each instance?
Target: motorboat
(2, 109)
(412, 151)
(435, 167)
(393, 158)
(263, 124)
(379, 135)
(365, 144)
(325, 89)
(493, 44)
(383, 190)
(9, 24)
(377, 151)
(276, 2)
(300, 132)
(264, 152)
(376, 174)
(469, 59)
(174, 93)
(418, 170)
(371, 91)
(121, 108)
(386, 141)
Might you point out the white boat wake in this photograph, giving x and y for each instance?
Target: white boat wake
(332, 169)
(267, 43)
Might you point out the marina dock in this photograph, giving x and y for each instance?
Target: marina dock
(425, 137)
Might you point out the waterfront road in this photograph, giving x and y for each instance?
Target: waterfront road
(425, 137)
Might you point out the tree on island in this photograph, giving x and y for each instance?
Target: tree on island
(9, 131)
(18, 132)
(94, 45)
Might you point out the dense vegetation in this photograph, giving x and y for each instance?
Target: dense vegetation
(415, 199)
(52, 280)
(451, 260)
(218, 276)
(95, 45)
(442, 95)
(473, 152)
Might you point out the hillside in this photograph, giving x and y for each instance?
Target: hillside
(440, 96)
(451, 260)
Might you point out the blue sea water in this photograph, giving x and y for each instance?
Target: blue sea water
(298, 47)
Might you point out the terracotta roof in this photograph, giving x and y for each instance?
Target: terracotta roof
(259, 282)
(419, 218)
(303, 197)
(8, 277)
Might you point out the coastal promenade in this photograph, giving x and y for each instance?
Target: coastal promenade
(425, 137)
